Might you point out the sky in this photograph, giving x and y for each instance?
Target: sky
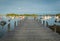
(30, 6)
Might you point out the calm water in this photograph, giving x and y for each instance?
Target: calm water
(5, 28)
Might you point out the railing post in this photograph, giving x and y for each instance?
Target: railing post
(8, 27)
(54, 28)
(46, 23)
(15, 24)
(43, 22)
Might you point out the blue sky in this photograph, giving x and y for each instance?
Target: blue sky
(30, 6)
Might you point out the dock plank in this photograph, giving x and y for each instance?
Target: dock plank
(31, 31)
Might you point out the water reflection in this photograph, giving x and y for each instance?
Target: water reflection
(50, 20)
(10, 21)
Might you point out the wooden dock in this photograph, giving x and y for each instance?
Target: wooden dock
(30, 30)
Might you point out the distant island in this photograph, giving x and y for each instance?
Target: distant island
(30, 14)
(13, 14)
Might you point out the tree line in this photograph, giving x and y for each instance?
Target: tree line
(30, 14)
(21, 14)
